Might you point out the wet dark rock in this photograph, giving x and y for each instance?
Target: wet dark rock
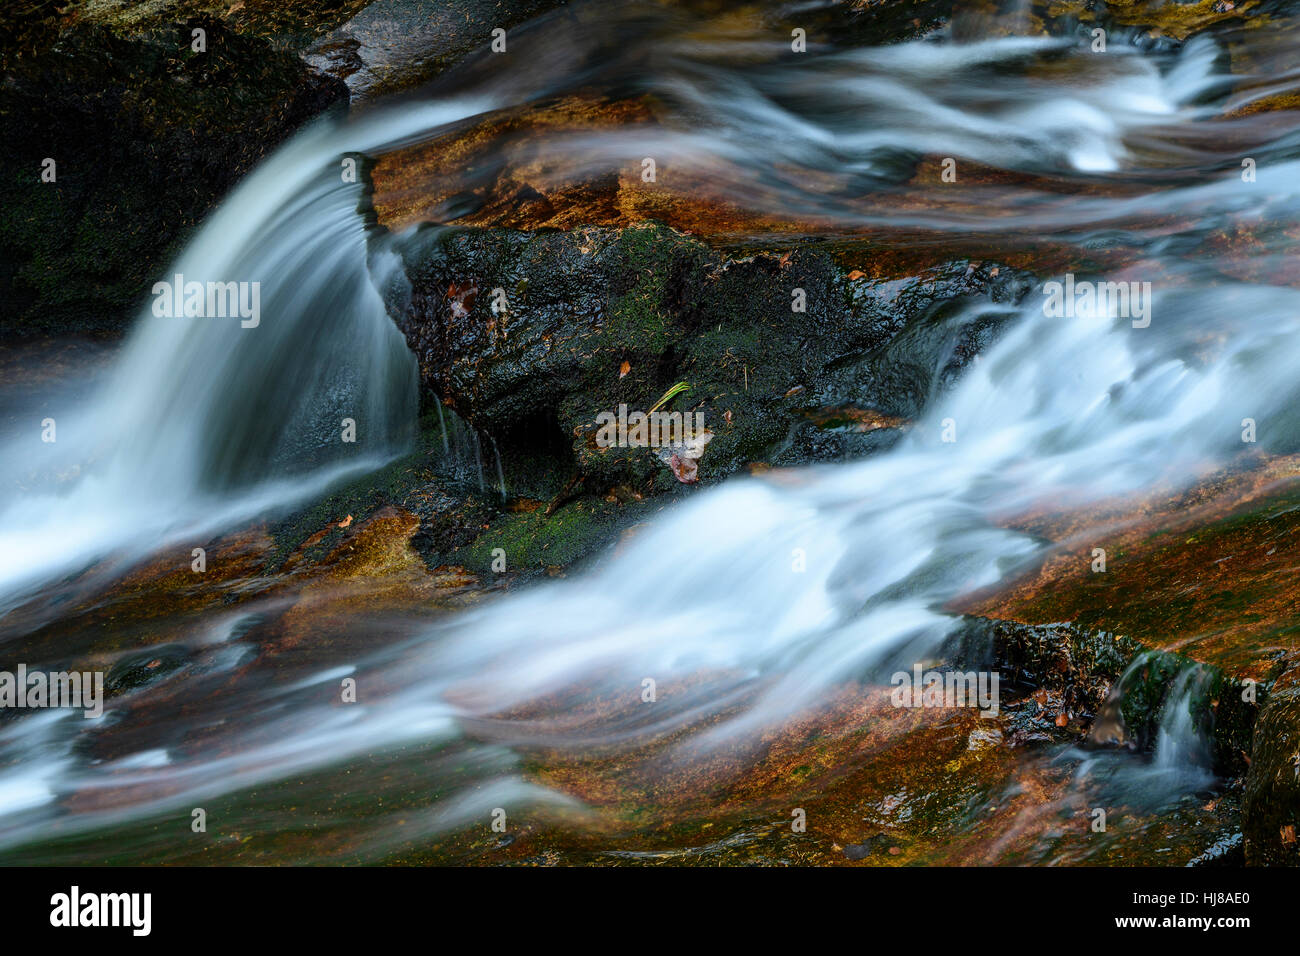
(863, 22)
(392, 44)
(147, 135)
(872, 846)
(594, 319)
(464, 520)
(1271, 805)
(1081, 664)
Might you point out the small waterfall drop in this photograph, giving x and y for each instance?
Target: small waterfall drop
(206, 422)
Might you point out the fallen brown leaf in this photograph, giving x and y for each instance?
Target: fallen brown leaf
(685, 470)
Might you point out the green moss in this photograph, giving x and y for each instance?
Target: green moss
(359, 498)
(533, 541)
(1144, 691)
(640, 318)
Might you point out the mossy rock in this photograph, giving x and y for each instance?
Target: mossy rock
(1271, 805)
(530, 337)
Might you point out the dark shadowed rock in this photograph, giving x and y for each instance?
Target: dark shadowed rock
(146, 134)
(589, 320)
(397, 43)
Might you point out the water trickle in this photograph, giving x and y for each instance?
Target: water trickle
(442, 428)
(1180, 760)
(501, 476)
(478, 458)
(1182, 746)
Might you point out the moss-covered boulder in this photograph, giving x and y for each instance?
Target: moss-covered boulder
(540, 338)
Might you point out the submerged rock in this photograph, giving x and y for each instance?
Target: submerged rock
(391, 44)
(144, 668)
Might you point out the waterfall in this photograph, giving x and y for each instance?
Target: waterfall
(208, 420)
(1181, 745)
(205, 421)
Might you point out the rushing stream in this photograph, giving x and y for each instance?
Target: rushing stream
(202, 425)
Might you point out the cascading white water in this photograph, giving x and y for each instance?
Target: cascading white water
(205, 421)
(1181, 748)
(202, 407)
(1059, 409)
